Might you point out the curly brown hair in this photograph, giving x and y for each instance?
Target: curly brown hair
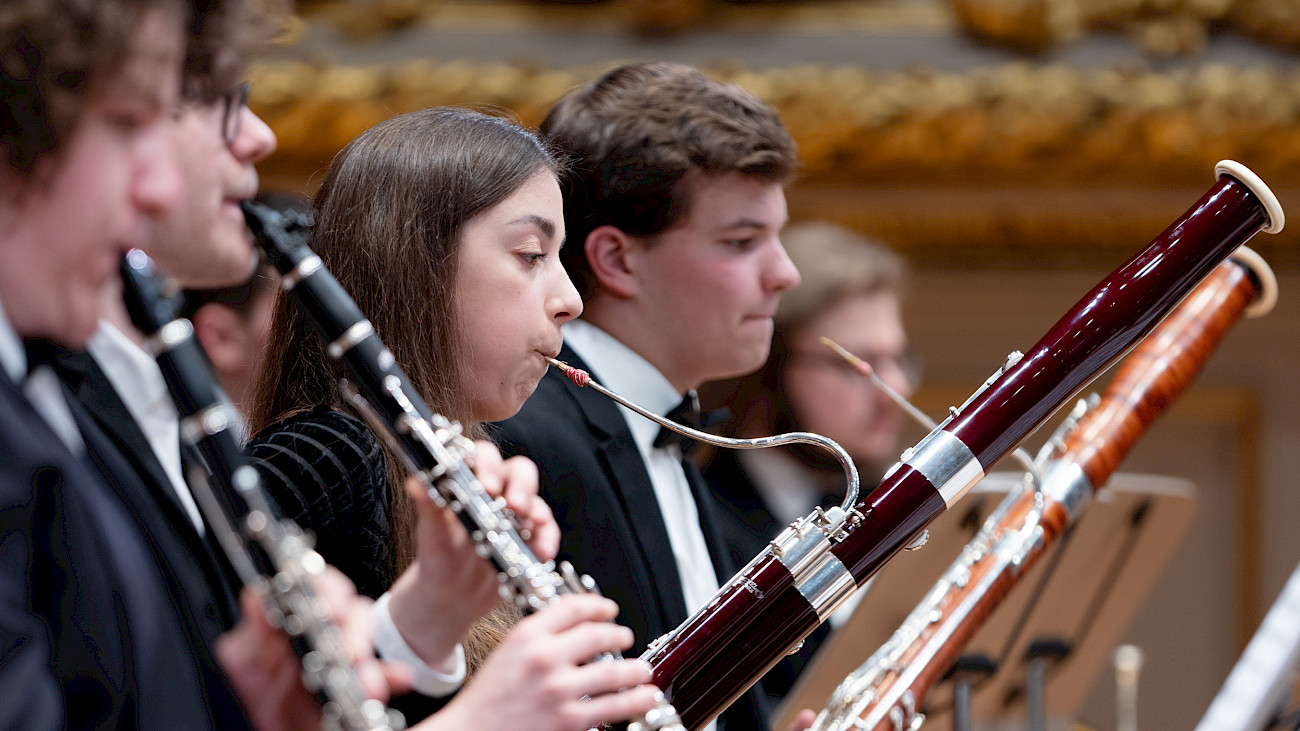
(48, 49)
(52, 50)
(635, 134)
(224, 35)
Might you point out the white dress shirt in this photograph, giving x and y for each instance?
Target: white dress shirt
(626, 373)
(139, 382)
(42, 387)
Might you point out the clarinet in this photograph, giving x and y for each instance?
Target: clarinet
(271, 555)
(1252, 696)
(888, 691)
(771, 605)
(433, 448)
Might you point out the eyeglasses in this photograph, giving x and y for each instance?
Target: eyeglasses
(232, 113)
(909, 363)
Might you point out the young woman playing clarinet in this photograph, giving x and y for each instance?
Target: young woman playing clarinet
(445, 225)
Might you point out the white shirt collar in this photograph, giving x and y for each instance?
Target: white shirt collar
(625, 372)
(42, 388)
(134, 375)
(139, 382)
(12, 356)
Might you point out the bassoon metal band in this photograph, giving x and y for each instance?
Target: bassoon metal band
(947, 463)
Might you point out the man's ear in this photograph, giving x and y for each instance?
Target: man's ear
(217, 329)
(608, 249)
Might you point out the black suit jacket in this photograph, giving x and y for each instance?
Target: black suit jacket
(595, 481)
(91, 634)
(123, 456)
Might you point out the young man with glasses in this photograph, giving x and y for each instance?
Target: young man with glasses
(203, 242)
(131, 427)
(133, 431)
(111, 594)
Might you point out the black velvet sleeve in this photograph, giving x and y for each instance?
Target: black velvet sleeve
(326, 471)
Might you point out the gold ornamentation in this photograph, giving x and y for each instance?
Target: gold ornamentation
(1016, 122)
(1162, 26)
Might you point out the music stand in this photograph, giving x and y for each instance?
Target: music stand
(1080, 594)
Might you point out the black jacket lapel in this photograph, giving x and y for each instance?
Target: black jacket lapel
(627, 473)
(92, 388)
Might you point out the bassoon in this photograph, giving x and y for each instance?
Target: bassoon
(888, 691)
(769, 607)
(270, 554)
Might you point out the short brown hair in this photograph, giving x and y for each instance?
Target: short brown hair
(634, 134)
(389, 222)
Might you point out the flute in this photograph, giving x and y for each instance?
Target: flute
(1253, 695)
(432, 447)
(271, 555)
(889, 690)
(770, 606)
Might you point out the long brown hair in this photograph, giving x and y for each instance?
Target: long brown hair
(389, 221)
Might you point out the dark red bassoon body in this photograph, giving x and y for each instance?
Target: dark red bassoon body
(774, 603)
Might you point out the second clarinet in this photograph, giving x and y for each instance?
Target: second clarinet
(271, 555)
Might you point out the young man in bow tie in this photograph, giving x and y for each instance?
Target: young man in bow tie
(674, 210)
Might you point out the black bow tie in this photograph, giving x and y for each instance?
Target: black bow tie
(687, 413)
(39, 352)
